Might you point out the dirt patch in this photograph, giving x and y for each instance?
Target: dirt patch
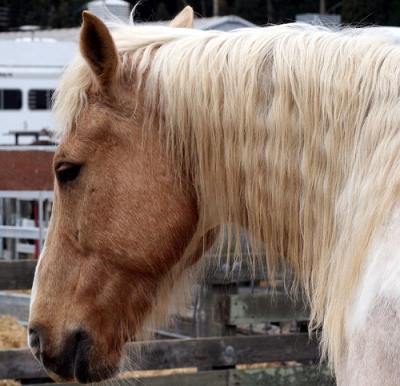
(153, 373)
(9, 382)
(265, 365)
(12, 334)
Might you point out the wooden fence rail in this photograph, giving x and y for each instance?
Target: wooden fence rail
(204, 353)
(260, 308)
(17, 274)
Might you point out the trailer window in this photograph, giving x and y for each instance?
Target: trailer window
(10, 99)
(40, 99)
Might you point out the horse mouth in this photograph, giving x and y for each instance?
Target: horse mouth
(81, 371)
(75, 362)
(84, 376)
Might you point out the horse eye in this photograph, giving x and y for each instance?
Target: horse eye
(67, 172)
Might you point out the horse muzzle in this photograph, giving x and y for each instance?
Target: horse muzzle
(74, 361)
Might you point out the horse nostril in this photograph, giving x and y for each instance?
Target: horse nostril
(62, 362)
(34, 342)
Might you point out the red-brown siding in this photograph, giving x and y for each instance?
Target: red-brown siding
(26, 170)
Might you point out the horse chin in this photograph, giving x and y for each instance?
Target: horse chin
(89, 378)
(83, 374)
(56, 378)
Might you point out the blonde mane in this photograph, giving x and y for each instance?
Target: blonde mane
(290, 131)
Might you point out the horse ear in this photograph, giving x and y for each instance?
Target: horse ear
(184, 19)
(98, 48)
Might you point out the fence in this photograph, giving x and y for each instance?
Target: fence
(13, 226)
(217, 352)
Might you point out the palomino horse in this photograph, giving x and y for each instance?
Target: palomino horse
(290, 131)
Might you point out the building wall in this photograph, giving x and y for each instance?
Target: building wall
(26, 169)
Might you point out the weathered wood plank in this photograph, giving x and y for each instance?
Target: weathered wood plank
(17, 274)
(208, 378)
(281, 376)
(207, 353)
(259, 308)
(203, 353)
(211, 311)
(20, 364)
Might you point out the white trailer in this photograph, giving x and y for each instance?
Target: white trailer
(29, 73)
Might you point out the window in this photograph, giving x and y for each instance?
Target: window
(40, 99)
(10, 99)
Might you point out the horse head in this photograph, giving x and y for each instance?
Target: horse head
(122, 219)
